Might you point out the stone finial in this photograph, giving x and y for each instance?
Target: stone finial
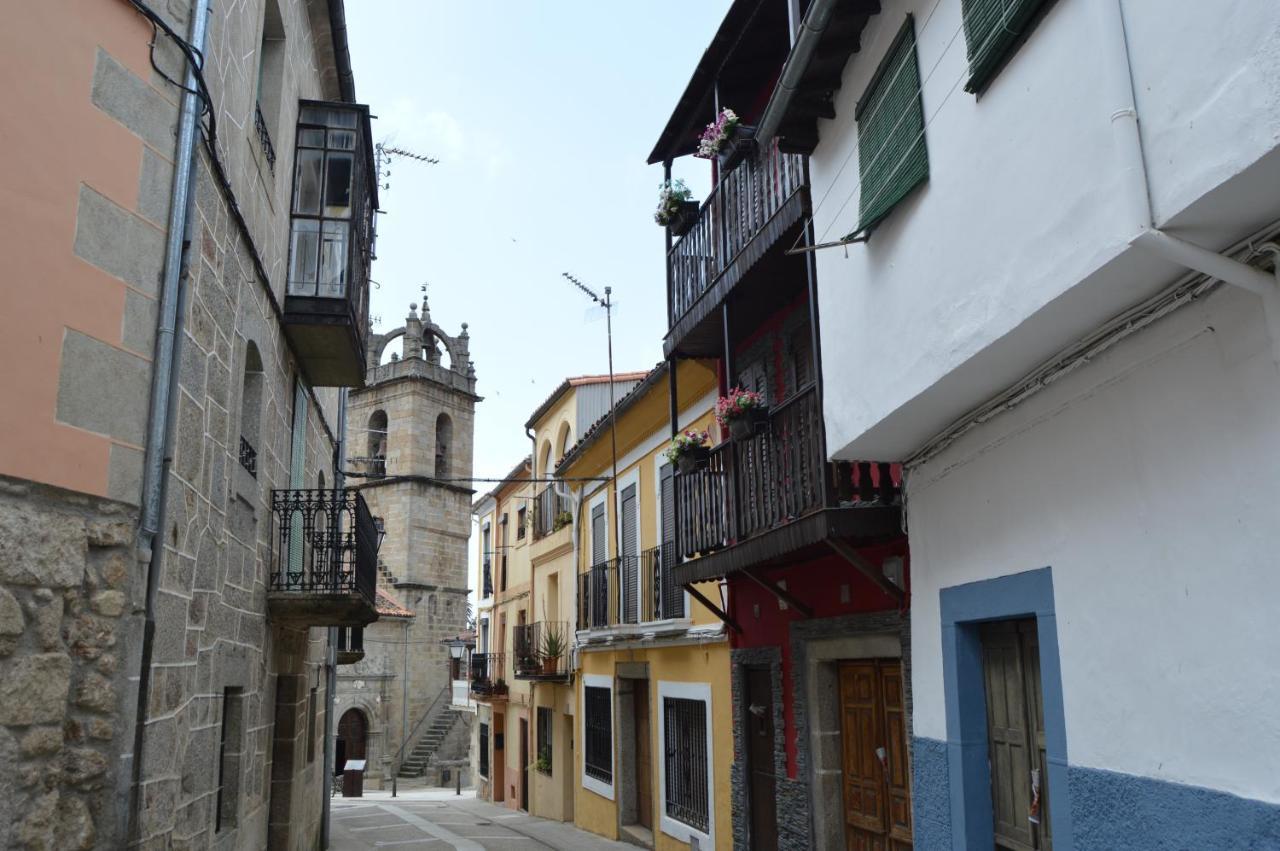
(412, 334)
(471, 369)
(395, 356)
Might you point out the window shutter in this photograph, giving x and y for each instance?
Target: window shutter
(991, 29)
(892, 156)
(672, 594)
(628, 563)
(599, 550)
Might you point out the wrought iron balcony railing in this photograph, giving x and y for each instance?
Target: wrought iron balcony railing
(541, 650)
(488, 674)
(264, 137)
(770, 479)
(630, 590)
(324, 562)
(248, 457)
(551, 512)
(742, 206)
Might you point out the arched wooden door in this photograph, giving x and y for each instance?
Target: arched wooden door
(353, 731)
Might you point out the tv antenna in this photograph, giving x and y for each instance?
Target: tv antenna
(607, 303)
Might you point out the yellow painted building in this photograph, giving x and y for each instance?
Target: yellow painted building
(653, 726)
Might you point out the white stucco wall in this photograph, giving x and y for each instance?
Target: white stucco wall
(1017, 243)
(1149, 481)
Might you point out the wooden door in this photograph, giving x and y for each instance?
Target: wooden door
(876, 773)
(761, 792)
(643, 774)
(1015, 735)
(498, 764)
(524, 764)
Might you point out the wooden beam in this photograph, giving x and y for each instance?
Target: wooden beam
(781, 593)
(866, 568)
(713, 608)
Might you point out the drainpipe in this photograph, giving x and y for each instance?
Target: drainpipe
(331, 650)
(164, 388)
(805, 42)
(1139, 217)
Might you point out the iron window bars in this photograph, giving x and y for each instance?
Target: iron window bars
(598, 723)
(685, 729)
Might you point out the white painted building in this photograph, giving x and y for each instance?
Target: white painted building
(1087, 414)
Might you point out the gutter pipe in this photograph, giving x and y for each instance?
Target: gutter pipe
(341, 50)
(806, 41)
(164, 387)
(1139, 216)
(331, 650)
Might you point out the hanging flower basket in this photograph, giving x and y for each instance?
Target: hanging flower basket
(717, 134)
(676, 208)
(689, 451)
(740, 144)
(685, 218)
(743, 412)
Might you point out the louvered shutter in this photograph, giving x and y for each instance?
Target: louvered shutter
(991, 29)
(892, 157)
(629, 562)
(672, 596)
(297, 472)
(599, 543)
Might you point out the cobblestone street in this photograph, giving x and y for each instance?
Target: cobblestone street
(439, 819)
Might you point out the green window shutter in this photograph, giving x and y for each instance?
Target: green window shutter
(991, 28)
(892, 157)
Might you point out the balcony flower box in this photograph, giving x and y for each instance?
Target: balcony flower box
(743, 412)
(676, 208)
(689, 451)
(740, 144)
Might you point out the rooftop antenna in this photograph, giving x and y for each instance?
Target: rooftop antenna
(607, 304)
(382, 156)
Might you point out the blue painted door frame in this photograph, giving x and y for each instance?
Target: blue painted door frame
(964, 609)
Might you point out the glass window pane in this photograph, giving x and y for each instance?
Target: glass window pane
(309, 138)
(333, 260)
(306, 187)
(337, 185)
(342, 118)
(314, 115)
(304, 249)
(342, 139)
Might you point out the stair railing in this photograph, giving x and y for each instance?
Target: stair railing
(399, 757)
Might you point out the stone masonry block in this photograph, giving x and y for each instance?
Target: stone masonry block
(124, 474)
(129, 100)
(103, 389)
(41, 548)
(155, 186)
(118, 242)
(33, 689)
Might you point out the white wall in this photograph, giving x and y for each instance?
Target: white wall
(1016, 245)
(1149, 481)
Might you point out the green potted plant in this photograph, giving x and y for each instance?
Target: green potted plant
(743, 412)
(676, 208)
(542, 764)
(689, 451)
(564, 518)
(553, 648)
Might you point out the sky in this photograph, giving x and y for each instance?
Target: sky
(542, 115)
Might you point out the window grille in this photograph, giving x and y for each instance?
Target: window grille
(685, 730)
(545, 717)
(892, 157)
(992, 29)
(484, 750)
(598, 753)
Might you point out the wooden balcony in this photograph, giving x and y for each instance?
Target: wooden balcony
(324, 559)
(773, 498)
(747, 213)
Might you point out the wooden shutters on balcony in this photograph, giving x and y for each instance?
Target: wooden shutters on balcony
(992, 29)
(892, 157)
(628, 561)
(599, 540)
(671, 596)
(297, 473)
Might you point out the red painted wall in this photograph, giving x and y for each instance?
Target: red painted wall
(819, 584)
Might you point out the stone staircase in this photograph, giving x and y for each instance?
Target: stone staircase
(418, 762)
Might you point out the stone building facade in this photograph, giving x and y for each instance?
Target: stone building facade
(410, 432)
(212, 732)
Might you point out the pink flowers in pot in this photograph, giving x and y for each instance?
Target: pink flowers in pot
(686, 444)
(718, 132)
(739, 404)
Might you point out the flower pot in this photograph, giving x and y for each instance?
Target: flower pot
(736, 147)
(750, 422)
(684, 218)
(694, 458)
(549, 664)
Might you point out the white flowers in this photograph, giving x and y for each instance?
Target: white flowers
(718, 132)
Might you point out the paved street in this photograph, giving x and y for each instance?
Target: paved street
(438, 820)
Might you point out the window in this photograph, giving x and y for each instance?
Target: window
(251, 409)
(546, 718)
(521, 517)
(444, 444)
(502, 556)
(484, 750)
(892, 157)
(230, 749)
(686, 761)
(271, 56)
(671, 595)
(311, 725)
(376, 464)
(323, 190)
(597, 734)
(486, 555)
(992, 29)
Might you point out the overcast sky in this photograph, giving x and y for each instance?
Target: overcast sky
(542, 115)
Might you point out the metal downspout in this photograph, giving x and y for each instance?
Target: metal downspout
(164, 381)
(1139, 214)
(806, 41)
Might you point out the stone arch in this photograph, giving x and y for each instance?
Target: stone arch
(564, 439)
(251, 393)
(379, 344)
(352, 740)
(444, 445)
(457, 361)
(545, 461)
